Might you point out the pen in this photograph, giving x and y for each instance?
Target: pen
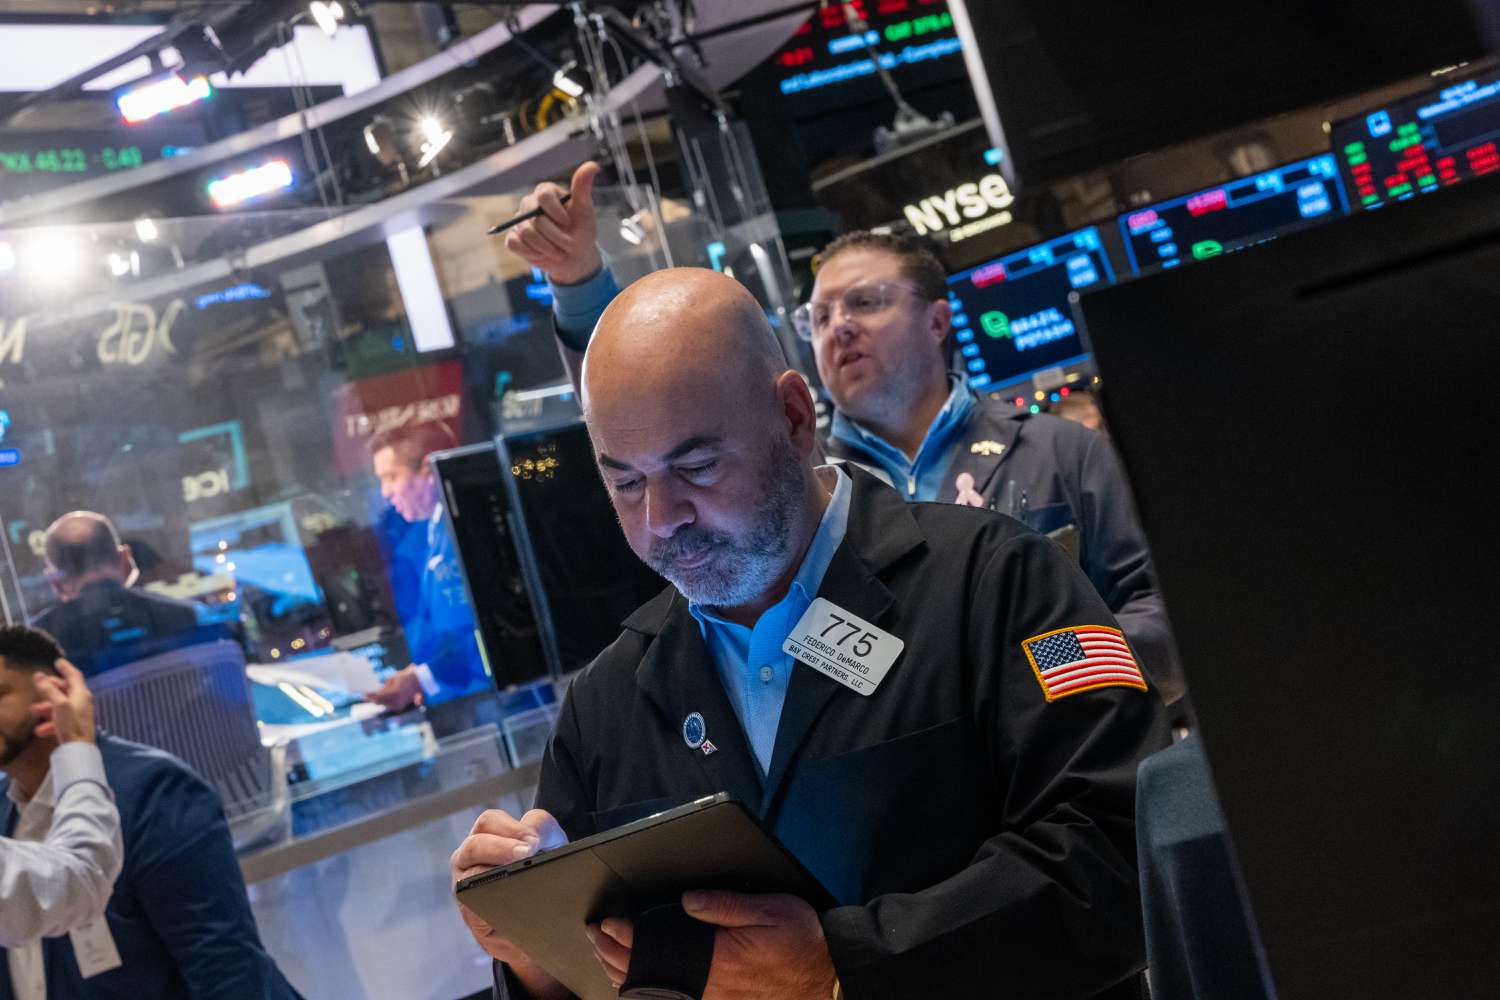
(524, 217)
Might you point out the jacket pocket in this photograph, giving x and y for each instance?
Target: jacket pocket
(850, 817)
(1045, 520)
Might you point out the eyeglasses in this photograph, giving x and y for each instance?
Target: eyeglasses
(815, 319)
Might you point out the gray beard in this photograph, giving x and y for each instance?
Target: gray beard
(739, 569)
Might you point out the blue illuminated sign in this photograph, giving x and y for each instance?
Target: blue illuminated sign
(849, 43)
(1459, 96)
(908, 56)
(716, 252)
(539, 290)
(235, 293)
(9, 457)
(236, 436)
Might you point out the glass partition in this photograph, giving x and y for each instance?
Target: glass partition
(213, 386)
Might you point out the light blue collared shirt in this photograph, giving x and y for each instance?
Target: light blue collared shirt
(920, 478)
(754, 670)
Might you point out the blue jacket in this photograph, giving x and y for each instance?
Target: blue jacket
(179, 914)
(440, 631)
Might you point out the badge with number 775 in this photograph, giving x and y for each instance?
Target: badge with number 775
(843, 646)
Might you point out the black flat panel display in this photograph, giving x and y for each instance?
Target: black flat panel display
(478, 506)
(1429, 141)
(1081, 84)
(1329, 559)
(1011, 316)
(1231, 216)
(582, 570)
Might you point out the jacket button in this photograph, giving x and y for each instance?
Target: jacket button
(766, 673)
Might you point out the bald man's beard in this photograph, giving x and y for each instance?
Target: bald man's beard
(739, 568)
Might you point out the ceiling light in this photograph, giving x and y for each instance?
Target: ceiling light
(160, 96)
(432, 129)
(631, 230)
(235, 189)
(119, 264)
(328, 16)
(145, 229)
(436, 136)
(565, 83)
(7, 258)
(54, 257)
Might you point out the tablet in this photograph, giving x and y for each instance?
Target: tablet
(541, 903)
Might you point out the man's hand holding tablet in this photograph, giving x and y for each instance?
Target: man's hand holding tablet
(766, 946)
(497, 838)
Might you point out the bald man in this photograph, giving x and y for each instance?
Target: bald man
(880, 326)
(101, 619)
(965, 791)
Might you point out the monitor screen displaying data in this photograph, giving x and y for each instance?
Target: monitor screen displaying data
(1221, 219)
(1011, 316)
(827, 64)
(1432, 140)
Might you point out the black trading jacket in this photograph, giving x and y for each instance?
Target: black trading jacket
(1069, 476)
(981, 838)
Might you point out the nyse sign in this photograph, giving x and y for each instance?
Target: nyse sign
(136, 332)
(963, 211)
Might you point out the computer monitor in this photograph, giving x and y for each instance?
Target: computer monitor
(1232, 216)
(583, 577)
(1077, 85)
(1431, 140)
(257, 557)
(1011, 317)
(827, 66)
(1306, 430)
(478, 504)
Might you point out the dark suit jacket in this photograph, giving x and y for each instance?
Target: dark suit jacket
(108, 625)
(179, 913)
(1070, 476)
(980, 838)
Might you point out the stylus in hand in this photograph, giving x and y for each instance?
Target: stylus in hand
(535, 213)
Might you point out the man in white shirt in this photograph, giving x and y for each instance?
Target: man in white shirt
(60, 864)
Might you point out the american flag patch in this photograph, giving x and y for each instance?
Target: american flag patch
(1072, 660)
